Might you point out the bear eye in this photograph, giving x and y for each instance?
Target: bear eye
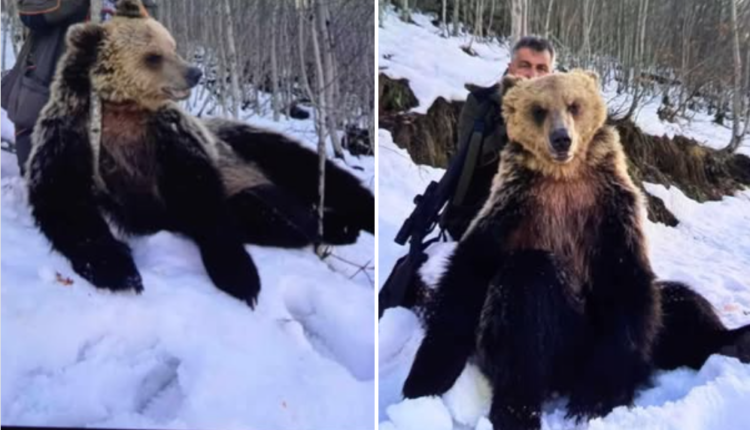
(574, 108)
(538, 113)
(153, 60)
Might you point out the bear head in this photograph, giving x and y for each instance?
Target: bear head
(554, 117)
(136, 59)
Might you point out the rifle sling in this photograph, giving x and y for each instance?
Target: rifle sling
(470, 162)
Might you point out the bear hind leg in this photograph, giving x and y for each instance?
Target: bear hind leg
(692, 331)
(268, 216)
(532, 327)
(295, 169)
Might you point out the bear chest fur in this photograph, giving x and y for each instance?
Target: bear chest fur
(128, 166)
(562, 217)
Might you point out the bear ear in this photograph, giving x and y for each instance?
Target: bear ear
(589, 74)
(85, 37)
(130, 9)
(509, 81)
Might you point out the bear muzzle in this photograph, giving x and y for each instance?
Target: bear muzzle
(560, 142)
(193, 76)
(190, 79)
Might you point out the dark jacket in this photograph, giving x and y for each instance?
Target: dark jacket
(483, 103)
(25, 89)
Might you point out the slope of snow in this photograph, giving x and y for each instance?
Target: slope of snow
(709, 249)
(436, 66)
(182, 354)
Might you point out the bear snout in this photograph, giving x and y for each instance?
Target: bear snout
(193, 76)
(560, 140)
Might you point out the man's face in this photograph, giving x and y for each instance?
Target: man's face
(528, 63)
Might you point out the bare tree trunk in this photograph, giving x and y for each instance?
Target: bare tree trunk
(491, 17)
(95, 111)
(167, 15)
(519, 19)
(638, 57)
(445, 23)
(588, 7)
(274, 64)
(221, 88)
(405, 13)
(547, 20)
(189, 28)
(737, 90)
(478, 18)
(686, 30)
(232, 57)
(321, 120)
(329, 77)
(302, 62)
(526, 11)
(456, 7)
(330, 57)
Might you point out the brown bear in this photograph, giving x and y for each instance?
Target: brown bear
(155, 167)
(551, 287)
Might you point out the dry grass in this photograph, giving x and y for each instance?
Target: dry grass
(701, 173)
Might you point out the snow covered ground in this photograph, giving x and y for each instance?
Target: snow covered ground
(183, 354)
(709, 249)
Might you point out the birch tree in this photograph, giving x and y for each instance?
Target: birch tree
(322, 120)
(519, 19)
(456, 25)
(274, 66)
(737, 91)
(232, 57)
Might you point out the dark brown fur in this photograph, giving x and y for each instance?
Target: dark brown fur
(153, 166)
(126, 153)
(551, 286)
(561, 222)
(552, 276)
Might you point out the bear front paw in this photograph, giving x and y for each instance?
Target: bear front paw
(110, 267)
(582, 411)
(416, 386)
(515, 417)
(586, 404)
(233, 272)
(426, 381)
